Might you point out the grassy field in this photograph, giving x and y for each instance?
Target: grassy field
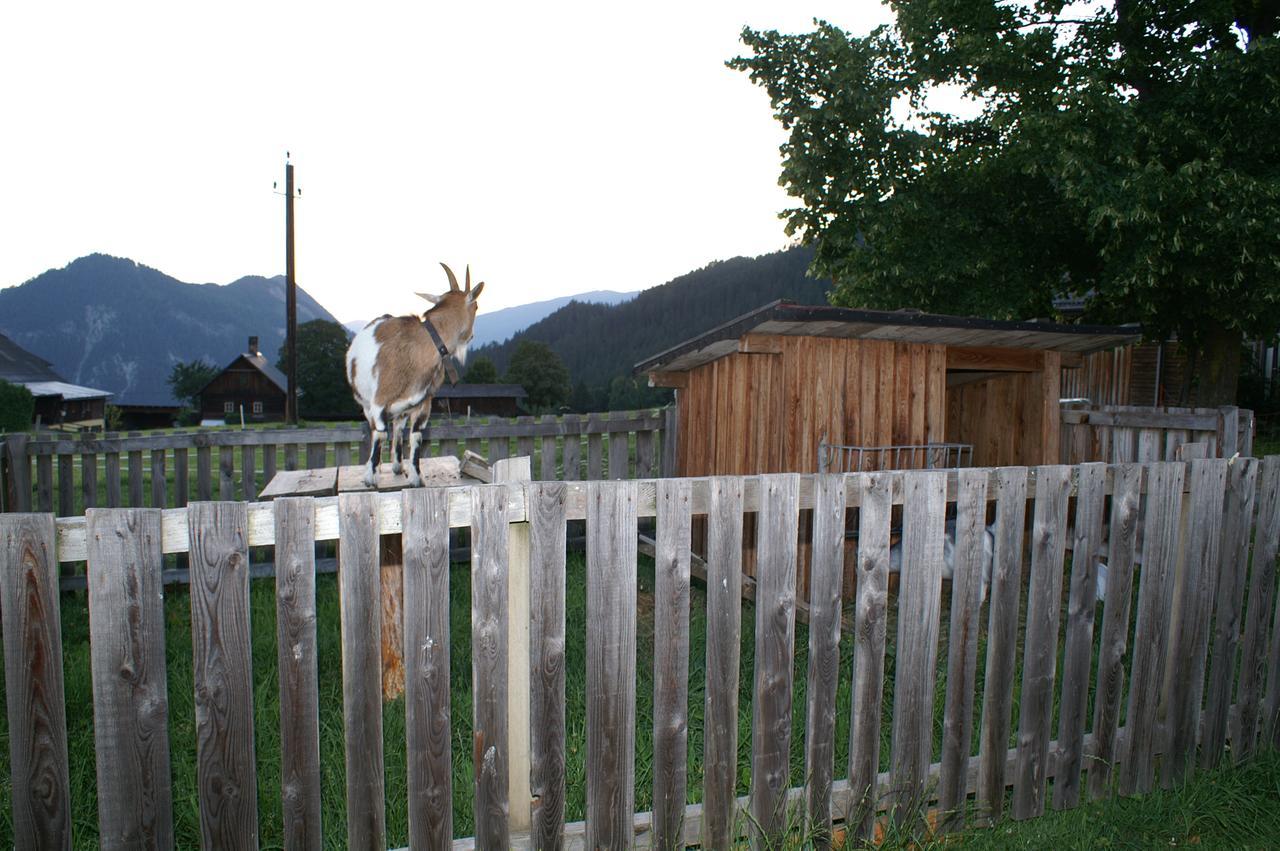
(1232, 808)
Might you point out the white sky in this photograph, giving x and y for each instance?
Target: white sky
(556, 147)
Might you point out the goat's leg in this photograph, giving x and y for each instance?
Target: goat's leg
(415, 442)
(397, 446)
(378, 436)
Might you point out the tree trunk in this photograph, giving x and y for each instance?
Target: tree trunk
(1215, 367)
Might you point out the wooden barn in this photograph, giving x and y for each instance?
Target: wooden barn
(760, 393)
(249, 383)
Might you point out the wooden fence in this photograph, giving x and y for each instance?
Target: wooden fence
(1120, 434)
(1200, 682)
(74, 473)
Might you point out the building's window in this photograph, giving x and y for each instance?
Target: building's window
(229, 407)
(257, 407)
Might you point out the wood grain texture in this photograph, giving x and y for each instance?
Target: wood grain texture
(967, 586)
(774, 656)
(919, 608)
(1262, 582)
(1159, 558)
(32, 626)
(870, 625)
(130, 698)
(226, 472)
(571, 461)
(611, 655)
(225, 770)
(428, 720)
(1113, 645)
(1189, 620)
(724, 632)
(296, 655)
(825, 580)
(1040, 655)
(1002, 633)
(359, 590)
(1237, 517)
(1082, 599)
(489, 663)
(671, 662)
(547, 533)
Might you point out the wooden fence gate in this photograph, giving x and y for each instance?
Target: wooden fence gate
(1189, 553)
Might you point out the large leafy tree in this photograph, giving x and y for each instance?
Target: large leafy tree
(188, 378)
(539, 370)
(1127, 150)
(322, 381)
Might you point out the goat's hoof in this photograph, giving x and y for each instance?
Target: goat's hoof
(397, 468)
(415, 481)
(370, 480)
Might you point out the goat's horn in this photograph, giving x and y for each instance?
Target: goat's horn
(453, 281)
(468, 277)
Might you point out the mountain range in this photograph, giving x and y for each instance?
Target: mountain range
(116, 325)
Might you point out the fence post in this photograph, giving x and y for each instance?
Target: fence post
(519, 795)
(1228, 431)
(19, 497)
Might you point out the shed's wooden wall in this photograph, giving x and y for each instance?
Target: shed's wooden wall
(765, 408)
(1001, 417)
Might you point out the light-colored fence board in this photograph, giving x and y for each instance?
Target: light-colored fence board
(130, 698)
(547, 532)
(1258, 611)
(296, 659)
(225, 766)
(32, 626)
(428, 717)
(489, 664)
(611, 661)
(671, 662)
(359, 596)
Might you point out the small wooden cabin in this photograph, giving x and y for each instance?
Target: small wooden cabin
(249, 383)
(761, 392)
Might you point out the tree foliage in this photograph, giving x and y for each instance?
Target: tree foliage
(323, 391)
(481, 370)
(17, 407)
(1128, 151)
(541, 373)
(188, 378)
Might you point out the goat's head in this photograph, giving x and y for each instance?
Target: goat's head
(459, 304)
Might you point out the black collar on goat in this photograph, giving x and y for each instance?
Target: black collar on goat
(446, 357)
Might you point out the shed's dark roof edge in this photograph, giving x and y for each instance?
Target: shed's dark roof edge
(785, 311)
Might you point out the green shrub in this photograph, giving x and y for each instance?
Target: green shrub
(17, 407)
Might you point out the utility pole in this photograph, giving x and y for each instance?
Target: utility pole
(290, 300)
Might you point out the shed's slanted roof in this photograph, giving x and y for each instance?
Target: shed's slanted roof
(799, 320)
(17, 365)
(73, 392)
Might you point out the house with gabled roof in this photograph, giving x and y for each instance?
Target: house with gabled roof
(249, 386)
(58, 402)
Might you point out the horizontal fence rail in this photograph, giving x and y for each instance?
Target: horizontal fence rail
(1121, 434)
(69, 474)
(1142, 596)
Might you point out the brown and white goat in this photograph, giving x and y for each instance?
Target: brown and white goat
(395, 369)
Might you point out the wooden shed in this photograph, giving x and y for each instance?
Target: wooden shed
(761, 392)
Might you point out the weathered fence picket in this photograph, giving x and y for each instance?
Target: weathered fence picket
(1200, 600)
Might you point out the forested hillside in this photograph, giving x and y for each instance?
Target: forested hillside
(601, 343)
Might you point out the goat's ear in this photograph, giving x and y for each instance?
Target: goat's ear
(475, 294)
(434, 299)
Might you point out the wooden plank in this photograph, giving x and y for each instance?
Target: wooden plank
(248, 474)
(489, 663)
(1002, 637)
(1050, 390)
(181, 492)
(775, 607)
(39, 777)
(547, 455)
(499, 448)
(66, 486)
(226, 473)
(302, 483)
(296, 655)
(619, 456)
(159, 480)
(1040, 657)
(572, 451)
(317, 455)
(825, 580)
(519, 654)
(724, 628)
(135, 478)
(1237, 516)
(1159, 557)
(342, 454)
(611, 657)
(1148, 445)
(428, 720)
(44, 483)
(670, 441)
(671, 661)
(130, 698)
(999, 358)
(291, 456)
(1078, 653)
(967, 587)
(89, 479)
(226, 777)
(547, 533)
(1262, 583)
(268, 463)
(595, 456)
(1189, 622)
(646, 454)
(19, 474)
(112, 474)
(359, 589)
(875, 496)
(919, 608)
(524, 442)
(204, 473)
